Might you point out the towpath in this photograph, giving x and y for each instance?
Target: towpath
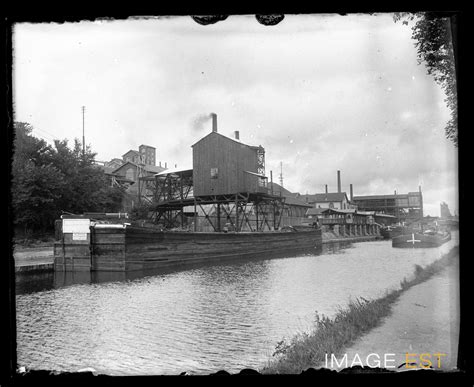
(424, 320)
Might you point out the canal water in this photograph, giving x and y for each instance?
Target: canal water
(201, 319)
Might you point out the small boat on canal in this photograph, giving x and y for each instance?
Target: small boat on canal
(421, 239)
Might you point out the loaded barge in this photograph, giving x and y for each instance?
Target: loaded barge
(121, 247)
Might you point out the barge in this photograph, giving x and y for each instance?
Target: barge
(421, 240)
(122, 247)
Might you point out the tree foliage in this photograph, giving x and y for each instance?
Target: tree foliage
(49, 180)
(435, 48)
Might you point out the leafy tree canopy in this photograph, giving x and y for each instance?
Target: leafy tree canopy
(49, 180)
(433, 35)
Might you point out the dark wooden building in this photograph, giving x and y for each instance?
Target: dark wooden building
(224, 166)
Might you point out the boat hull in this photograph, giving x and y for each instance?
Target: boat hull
(418, 240)
(389, 233)
(136, 248)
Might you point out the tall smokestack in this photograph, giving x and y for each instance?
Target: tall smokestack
(339, 181)
(214, 122)
(236, 135)
(352, 194)
(326, 186)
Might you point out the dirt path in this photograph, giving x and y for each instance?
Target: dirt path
(425, 320)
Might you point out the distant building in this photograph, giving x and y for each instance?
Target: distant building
(131, 172)
(147, 154)
(131, 156)
(335, 200)
(295, 207)
(404, 207)
(444, 211)
(114, 163)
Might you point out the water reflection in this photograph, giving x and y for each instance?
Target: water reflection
(28, 282)
(197, 319)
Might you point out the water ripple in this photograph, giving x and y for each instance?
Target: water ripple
(227, 316)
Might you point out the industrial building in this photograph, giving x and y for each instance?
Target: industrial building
(404, 207)
(335, 200)
(226, 189)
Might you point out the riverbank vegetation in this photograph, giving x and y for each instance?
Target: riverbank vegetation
(50, 179)
(333, 335)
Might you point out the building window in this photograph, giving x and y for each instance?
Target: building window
(331, 205)
(214, 173)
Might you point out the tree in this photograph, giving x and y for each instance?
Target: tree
(36, 190)
(433, 35)
(49, 180)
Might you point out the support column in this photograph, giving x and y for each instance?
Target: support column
(195, 216)
(237, 228)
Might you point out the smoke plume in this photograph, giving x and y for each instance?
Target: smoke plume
(199, 121)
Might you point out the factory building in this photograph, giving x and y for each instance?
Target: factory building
(404, 207)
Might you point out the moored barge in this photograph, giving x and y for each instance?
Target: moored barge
(126, 248)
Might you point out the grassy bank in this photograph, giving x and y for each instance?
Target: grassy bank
(333, 335)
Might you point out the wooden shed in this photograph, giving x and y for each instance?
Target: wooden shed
(223, 166)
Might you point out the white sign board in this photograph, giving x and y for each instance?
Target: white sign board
(79, 236)
(76, 226)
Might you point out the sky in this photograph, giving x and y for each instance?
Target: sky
(320, 93)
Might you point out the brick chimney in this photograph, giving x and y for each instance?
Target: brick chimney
(214, 122)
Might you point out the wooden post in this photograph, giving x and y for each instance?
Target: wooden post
(218, 217)
(237, 228)
(195, 216)
(256, 213)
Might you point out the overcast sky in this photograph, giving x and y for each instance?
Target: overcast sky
(320, 93)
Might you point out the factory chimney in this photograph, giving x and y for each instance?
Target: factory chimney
(214, 122)
(236, 135)
(352, 194)
(339, 181)
(326, 186)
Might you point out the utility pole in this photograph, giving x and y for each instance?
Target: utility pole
(83, 137)
(281, 174)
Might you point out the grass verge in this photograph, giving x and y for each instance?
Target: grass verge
(333, 335)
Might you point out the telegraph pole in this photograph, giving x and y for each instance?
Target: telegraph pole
(83, 137)
(281, 173)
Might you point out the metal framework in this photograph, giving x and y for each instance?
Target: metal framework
(165, 187)
(236, 212)
(401, 206)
